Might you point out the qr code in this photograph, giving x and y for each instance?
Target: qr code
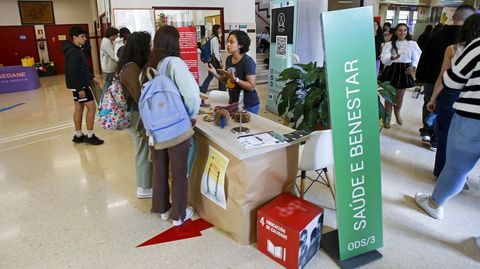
(281, 51)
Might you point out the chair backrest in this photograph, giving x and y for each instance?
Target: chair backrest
(317, 151)
(218, 97)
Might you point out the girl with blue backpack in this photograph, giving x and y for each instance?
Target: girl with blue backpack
(169, 105)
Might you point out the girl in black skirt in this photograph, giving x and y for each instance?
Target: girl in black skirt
(400, 57)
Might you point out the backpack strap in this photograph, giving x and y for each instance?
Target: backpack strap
(163, 71)
(164, 66)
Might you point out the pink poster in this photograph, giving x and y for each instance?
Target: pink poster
(188, 49)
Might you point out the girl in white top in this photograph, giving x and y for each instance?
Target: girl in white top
(216, 59)
(400, 57)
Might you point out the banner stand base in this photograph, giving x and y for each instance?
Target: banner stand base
(330, 244)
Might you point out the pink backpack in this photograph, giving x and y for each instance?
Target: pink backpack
(113, 110)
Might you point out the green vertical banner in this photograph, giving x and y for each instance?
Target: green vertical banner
(282, 35)
(352, 90)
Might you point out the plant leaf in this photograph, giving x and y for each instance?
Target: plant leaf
(290, 73)
(298, 111)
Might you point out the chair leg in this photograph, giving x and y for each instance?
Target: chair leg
(330, 186)
(302, 183)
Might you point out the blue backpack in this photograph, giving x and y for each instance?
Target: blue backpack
(161, 106)
(206, 51)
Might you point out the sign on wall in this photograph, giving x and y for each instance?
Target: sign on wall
(188, 48)
(283, 22)
(352, 90)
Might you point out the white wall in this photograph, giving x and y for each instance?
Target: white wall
(374, 5)
(235, 10)
(9, 13)
(309, 43)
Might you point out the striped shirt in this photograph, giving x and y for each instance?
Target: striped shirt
(465, 77)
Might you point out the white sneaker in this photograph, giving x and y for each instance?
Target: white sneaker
(188, 215)
(426, 138)
(422, 201)
(144, 193)
(166, 215)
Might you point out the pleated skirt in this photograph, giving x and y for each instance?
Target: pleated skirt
(396, 74)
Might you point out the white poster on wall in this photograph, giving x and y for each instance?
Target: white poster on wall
(41, 43)
(135, 20)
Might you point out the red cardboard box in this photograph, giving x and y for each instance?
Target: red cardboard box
(289, 230)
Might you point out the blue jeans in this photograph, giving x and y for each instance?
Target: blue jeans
(445, 113)
(253, 109)
(206, 83)
(463, 152)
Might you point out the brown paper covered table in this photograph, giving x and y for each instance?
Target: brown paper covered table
(253, 176)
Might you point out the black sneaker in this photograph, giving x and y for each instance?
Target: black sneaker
(79, 139)
(94, 140)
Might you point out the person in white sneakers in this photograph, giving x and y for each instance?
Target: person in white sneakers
(463, 146)
(171, 156)
(133, 59)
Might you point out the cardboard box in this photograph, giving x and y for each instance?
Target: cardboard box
(289, 230)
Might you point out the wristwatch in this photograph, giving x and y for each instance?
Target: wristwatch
(237, 80)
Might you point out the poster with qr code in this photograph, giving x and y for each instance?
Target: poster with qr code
(281, 42)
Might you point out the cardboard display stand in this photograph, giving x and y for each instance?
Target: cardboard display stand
(289, 230)
(253, 176)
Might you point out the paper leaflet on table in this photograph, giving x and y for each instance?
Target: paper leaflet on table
(262, 139)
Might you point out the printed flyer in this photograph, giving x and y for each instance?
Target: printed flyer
(213, 178)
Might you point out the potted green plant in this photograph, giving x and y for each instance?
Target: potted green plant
(304, 98)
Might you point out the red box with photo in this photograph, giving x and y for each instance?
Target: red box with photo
(289, 230)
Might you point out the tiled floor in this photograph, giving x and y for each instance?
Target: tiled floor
(65, 205)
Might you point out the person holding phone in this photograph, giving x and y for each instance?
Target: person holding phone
(400, 57)
(240, 72)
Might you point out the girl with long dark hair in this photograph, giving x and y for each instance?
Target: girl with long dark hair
(134, 57)
(400, 57)
(171, 157)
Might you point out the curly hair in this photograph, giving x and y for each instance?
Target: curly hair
(136, 50)
(111, 31)
(470, 29)
(76, 31)
(395, 37)
(242, 39)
